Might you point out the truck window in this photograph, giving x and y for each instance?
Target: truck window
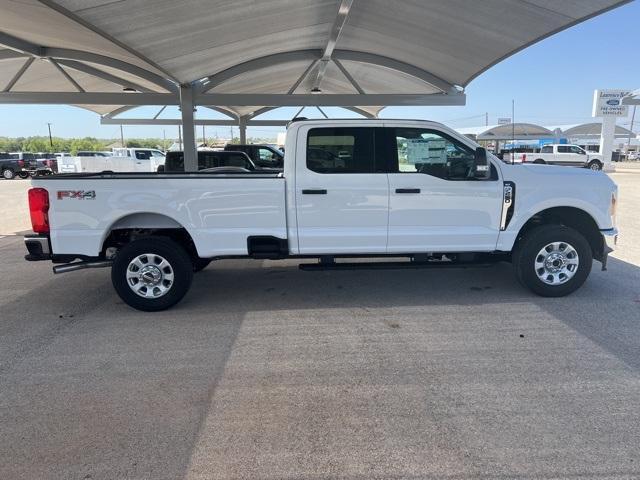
(576, 149)
(563, 149)
(431, 153)
(143, 154)
(341, 150)
(546, 149)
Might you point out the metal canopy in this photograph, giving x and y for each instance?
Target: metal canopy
(592, 129)
(515, 131)
(243, 56)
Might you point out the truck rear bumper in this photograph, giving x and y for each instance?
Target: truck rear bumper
(38, 247)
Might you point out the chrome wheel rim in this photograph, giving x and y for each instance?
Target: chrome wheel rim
(149, 275)
(7, 174)
(556, 263)
(595, 166)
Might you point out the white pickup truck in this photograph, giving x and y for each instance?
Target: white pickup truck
(563, 154)
(119, 160)
(350, 188)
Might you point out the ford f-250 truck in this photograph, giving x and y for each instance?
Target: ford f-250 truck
(395, 188)
(562, 154)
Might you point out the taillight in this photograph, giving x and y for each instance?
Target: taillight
(39, 209)
(524, 157)
(21, 163)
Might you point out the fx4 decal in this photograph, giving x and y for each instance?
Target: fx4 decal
(78, 194)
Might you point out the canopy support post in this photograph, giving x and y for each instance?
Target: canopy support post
(242, 125)
(188, 129)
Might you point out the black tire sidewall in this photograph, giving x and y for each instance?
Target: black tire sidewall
(173, 253)
(528, 248)
(595, 162)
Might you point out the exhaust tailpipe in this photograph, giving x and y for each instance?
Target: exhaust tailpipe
(72, 267)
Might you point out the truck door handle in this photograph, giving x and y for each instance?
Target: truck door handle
(407, 190)
(314, 192)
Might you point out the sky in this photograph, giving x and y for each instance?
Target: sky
(551, 83)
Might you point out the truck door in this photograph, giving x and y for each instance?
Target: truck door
(341, 201)
(142, 160)
(567, 156)
(435, 203)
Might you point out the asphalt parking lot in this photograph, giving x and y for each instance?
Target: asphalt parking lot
(265, 371)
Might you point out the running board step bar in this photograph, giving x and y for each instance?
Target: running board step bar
(387, 265)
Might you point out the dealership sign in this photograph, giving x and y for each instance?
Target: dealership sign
(608, 103)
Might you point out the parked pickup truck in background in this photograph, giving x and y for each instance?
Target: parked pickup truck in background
(214, 161)
(120, 160)
(562, 154)
(11, 165)
(397, 188)
(261, 155)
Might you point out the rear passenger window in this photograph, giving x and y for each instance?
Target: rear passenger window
(563, 149)
(341, 150)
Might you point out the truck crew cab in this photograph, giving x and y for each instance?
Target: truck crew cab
(350, 188)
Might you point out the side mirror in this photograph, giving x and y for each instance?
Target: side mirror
(482, 165)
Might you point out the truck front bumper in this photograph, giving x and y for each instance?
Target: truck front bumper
(610, 240)
(38, 247)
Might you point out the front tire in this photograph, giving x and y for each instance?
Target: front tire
(539, 161)
(152, 273)
(552, 260)
(23, 175)
(595, 165)
(8, 174)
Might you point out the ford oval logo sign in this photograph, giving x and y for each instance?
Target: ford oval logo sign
(613, 102)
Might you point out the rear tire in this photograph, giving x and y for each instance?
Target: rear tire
(23, 175)
(539, 161)
(595, 165)
(552, 260)
(8, 174)
(152, 273)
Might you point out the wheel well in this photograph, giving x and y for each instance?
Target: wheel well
(119, 237)
(571, 217)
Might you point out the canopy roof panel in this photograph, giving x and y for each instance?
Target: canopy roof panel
(592, 129)
(518, 131)
(428, 48)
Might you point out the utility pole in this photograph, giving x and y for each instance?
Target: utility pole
(633, 117)
(121, 136)
(513, 130)
(179, 137)
(50, 138)
(204, 138)
(164, 140)
(231, 130)
(486, 119)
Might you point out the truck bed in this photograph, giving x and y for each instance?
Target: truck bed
(219, 211)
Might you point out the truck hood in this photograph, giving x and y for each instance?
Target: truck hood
(539, 187)
(558, 170)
